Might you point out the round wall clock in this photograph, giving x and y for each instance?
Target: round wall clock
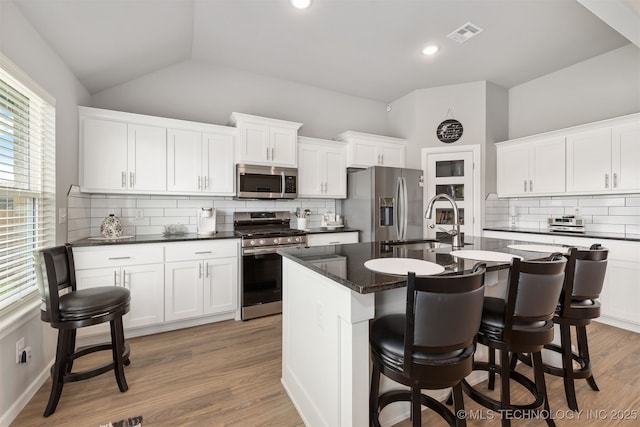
(449, 131)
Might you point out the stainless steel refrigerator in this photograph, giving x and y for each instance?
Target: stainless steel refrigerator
(384, 203)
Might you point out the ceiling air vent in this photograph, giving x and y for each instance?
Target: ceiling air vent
(465, 32)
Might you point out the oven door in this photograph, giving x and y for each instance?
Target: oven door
(261, 285)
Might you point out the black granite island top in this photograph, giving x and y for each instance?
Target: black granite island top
(362, 280)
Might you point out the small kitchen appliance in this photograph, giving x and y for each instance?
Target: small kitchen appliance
(567, 223)
(206, 221)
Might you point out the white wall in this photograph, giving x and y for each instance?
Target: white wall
(206, 93)
(596, 89)
(417, 115)
(24, 46)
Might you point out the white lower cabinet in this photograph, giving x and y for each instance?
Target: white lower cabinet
(168, 282)
(138, 268)
(620, 295)
(200, 279)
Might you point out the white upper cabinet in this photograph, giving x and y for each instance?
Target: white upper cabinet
(596, 158)
(200, 162)
(116, 156)
(265, 141)
(365, 150)
(605, 159)
(625, 157)
(322, 168)
(133, 153)
(531, 168)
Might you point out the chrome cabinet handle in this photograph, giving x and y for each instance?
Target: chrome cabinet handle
(199, 182)
(206, 182)
(202, 252)
(272, 154)
(200, 271)
(267, 153)
(124, 279)
(119, 257)
(382, 159)
(132, 179)
(206, 271)
(606, 180)
(615, 180)
(115, 281)
(525, 185)
(124, 179)
(530, 185)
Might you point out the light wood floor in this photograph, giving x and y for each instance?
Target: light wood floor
(228, 374)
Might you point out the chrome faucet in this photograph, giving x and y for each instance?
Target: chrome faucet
(455, 232)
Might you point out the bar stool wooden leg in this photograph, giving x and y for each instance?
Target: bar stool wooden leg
(64, 358)
(538, 372)
(583, 351)
(567, 365)
(505, 394)
(117, 342)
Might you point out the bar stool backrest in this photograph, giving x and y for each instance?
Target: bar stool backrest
(56, 276)
(590, 269)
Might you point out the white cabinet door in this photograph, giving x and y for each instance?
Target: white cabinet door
(625, 157)
(513, 169)
(336, 174)
(311, 162)
(392, 155)
(104, 155)
(146, 284)
(547, 166)
(147, 158)
(94, 278)
(184, 160)
(363, 154)
(589, 161)
(254, 143)
(220, 285)
(218, 164)
(183, 290)
(282, 142)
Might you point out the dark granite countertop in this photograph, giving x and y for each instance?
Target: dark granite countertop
(364, 281)
(154, 238)
(161, 238)
(588, 234)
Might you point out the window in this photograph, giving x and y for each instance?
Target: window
(27, 182)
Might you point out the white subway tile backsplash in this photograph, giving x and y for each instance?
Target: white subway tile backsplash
(606, 228)
(632, 229)
(157, 203)
(558, 202)
(599, 201)
(633, 201)
(157, 211)
(627, 210)
(621, 219)
(546, 211)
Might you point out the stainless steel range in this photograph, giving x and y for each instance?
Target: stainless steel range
(262, 234)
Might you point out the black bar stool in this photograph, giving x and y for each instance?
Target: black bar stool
(520, 324)
(67, 309)
(431, 346)
(578, 306)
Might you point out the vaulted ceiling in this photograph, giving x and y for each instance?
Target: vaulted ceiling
(365, 48)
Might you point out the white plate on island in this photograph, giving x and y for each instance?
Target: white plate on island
(489, 256)
(550, 249)
(402, 266)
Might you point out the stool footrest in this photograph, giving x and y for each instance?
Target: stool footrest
(93, 372)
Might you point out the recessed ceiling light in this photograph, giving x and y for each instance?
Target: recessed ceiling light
(300, 4)
(430, 50)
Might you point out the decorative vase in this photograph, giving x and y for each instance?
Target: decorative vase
(111, 227)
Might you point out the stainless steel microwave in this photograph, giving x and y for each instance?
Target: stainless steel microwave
(266, 182)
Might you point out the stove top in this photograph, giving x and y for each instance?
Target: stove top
(266, 230)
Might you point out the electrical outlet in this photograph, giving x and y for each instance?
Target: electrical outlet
(19, 348)
(62, 216)
(27, 350)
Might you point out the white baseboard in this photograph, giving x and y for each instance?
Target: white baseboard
(7, 418)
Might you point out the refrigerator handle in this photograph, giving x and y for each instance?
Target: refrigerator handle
(405, 209)
(396, 209)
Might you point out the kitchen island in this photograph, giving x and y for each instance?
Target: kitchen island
(329, 297)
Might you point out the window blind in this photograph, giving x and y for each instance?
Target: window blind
(27, 185)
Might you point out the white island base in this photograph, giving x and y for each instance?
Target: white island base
(325, 353)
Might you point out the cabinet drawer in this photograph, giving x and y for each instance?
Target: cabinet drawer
(117, 255)
(332, 238)
(184, 251)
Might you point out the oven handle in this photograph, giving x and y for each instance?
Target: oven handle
(270, 250)
(283, 181)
